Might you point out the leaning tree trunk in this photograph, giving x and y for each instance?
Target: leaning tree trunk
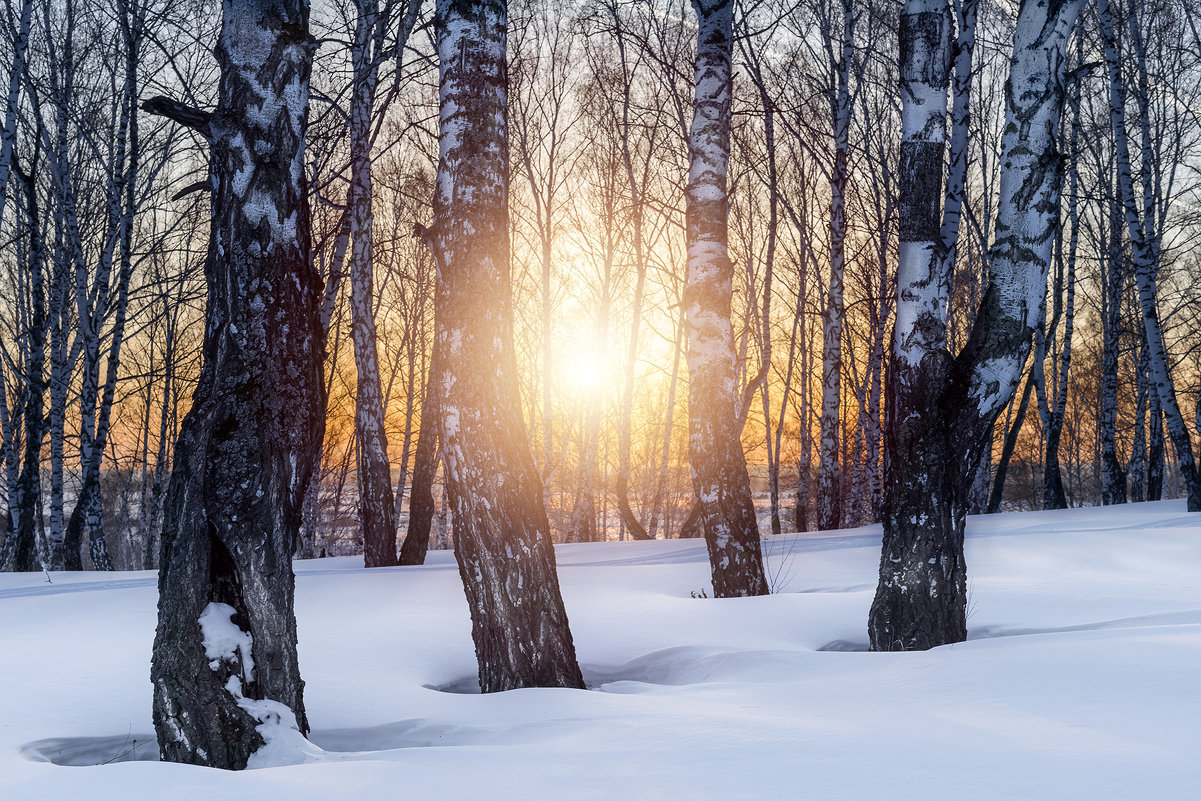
(377, 512)
(719, 474)
(997, 495)
(501, 532)
(942, 412)
(248, 447)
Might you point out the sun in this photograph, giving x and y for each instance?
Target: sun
(583, 367)
(583, 371)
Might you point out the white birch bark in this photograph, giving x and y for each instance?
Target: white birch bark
(942, 411)
(252, 440)
(830, 468)
(716, 458)
(12, 108)
(377, 511)
(502, 535)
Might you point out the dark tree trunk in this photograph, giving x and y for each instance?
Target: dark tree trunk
(918, 454)
(1113, 473)
(28, 501)
(250, 443)
(1011, 441)
(719, 474)
(942, 412)
(1155, 449)
(692, 527)
(501, 532)
(425, 469)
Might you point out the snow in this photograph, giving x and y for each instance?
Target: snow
(1079, 679)
(223, 640)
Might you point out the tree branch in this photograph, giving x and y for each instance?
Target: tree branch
(187, 116)
(199, 186)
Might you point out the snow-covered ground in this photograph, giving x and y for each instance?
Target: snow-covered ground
(1081, 679)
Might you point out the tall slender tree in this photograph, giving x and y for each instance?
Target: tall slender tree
(1143, 236)
(830, 468)
(718, 464)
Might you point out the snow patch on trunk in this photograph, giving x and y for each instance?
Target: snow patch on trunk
(226, 643)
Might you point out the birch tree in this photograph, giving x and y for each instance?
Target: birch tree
(718, 465)
(251, 441)
(425, 468)
(501, 532)
(25, 506)
(371, 46)
(829, 474)
(1141, 228)
(1053, 395)
(942, 408)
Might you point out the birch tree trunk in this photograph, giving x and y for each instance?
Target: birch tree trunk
(97, 302)
(637, 207)
(1113, 279)
(829, 473)
(149, 549)
(16, 77)
(24, 487)
(1155, 448)
(61, 360)
(8, 453)
(250, 444)
(501, 532)
(1054, 496)
(961, 96)
(1137, 467)
(942, 411)
(377, 512)
(718, 464)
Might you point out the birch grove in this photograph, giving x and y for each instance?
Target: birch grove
(755, 257)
